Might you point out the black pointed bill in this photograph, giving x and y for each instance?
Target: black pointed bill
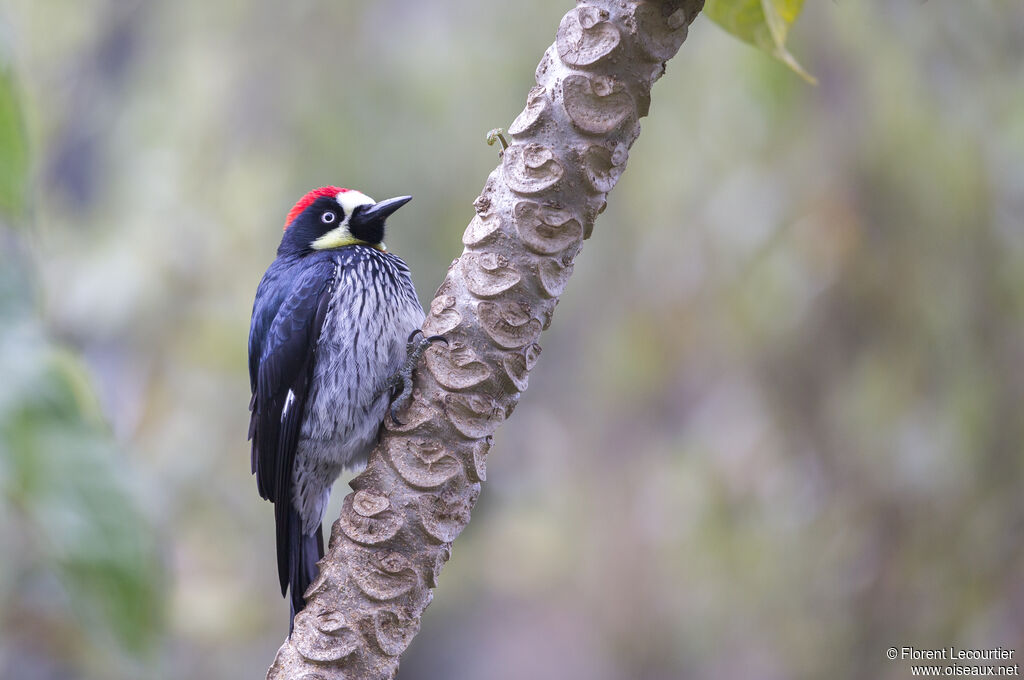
(380, 211)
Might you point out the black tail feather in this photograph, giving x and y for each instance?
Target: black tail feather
(301, 553)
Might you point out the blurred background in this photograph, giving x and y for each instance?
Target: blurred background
(777, 424)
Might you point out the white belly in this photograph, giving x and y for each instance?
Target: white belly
(362, 344)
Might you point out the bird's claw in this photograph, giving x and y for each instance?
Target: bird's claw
(401, 381)
(394, 414)
(412, 346)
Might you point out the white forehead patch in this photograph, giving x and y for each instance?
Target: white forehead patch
(350, 200)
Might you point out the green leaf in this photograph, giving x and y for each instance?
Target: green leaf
(14, 157)
(66, 479)
(762, 23)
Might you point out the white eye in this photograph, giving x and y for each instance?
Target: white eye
(328, 217)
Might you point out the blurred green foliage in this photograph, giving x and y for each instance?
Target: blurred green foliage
(775, 428)
(67, 498)
(63, 476)
(762, 23)
(13, 148)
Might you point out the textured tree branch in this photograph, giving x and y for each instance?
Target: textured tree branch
(569, 148)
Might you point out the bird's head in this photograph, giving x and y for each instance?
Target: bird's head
(332, 217)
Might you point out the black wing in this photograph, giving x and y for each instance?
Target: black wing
(269, 296)
(282, 382)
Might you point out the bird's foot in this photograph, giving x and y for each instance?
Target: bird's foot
(400, 384)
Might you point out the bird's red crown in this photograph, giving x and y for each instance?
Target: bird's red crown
(307, 200)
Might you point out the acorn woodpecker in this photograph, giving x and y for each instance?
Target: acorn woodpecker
(329, 342)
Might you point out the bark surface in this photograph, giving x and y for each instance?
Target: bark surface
(568, 148)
